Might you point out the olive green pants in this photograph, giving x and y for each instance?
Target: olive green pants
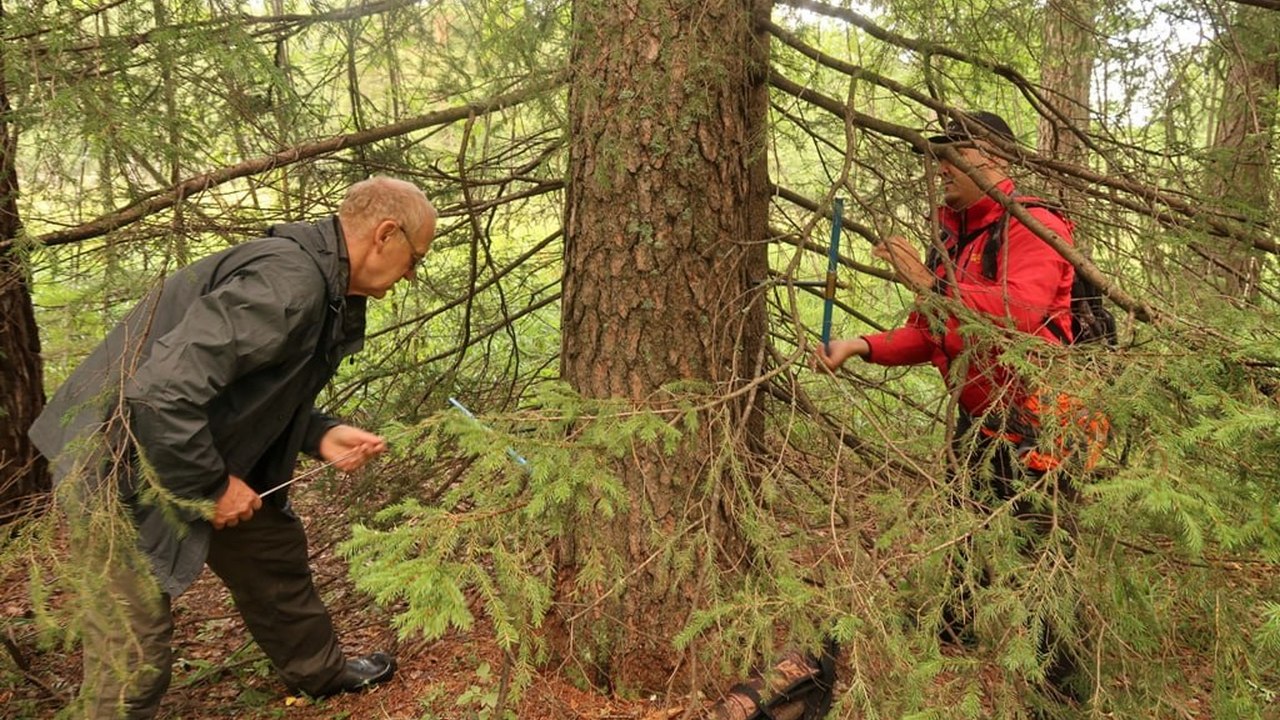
(263, 562)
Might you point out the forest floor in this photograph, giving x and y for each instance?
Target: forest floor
(220, 673)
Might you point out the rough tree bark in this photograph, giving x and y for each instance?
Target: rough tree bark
(664, 247)
(23, 473)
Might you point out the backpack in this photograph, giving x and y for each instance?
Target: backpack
(1091, 321)
(801, 686)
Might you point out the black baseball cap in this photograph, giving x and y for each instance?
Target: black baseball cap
(956, 132)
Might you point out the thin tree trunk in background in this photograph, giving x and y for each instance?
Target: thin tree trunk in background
(664, 248)
(1066, 68)
(1239, 176)
(23, 472)
(281, 102)
(165, 57)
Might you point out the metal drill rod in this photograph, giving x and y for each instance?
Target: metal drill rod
(309, 473)
(833, 262)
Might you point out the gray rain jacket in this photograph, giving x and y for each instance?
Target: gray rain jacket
(217, 371)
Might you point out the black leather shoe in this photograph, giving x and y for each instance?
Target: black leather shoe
(363, 672)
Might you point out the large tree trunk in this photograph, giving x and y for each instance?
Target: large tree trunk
(23, 473)
(664, 251)
(1239, 174)
(1066, 66)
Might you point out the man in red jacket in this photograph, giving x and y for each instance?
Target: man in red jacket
(994, 268)
(1030, 291)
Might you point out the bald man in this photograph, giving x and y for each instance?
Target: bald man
(209, 384)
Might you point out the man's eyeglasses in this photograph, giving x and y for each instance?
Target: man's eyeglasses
(415, 257)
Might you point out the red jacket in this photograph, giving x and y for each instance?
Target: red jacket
(1032, 288)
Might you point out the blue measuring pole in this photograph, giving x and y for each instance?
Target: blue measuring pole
(833, 261)
(514, 455)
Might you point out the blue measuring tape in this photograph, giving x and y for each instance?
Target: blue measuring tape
(511, 452)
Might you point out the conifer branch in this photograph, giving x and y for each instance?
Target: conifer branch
(1147, 197)
(857, 72)
(282, 25)
(506, 322)
(24, 667)
(200, 183)
(493, 279)
(1140, 310)
(811, 205)
(1264, 4)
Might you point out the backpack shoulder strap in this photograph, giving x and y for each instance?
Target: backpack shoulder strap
(999, 233)
(1057, 330)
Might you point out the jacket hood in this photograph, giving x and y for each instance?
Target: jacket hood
(325, 244)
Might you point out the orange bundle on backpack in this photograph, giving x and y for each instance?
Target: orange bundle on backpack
(1077, 428)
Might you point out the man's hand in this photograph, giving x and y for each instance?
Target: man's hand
(349, 448)
(905, 259)
(236, 504)
(842, 350)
